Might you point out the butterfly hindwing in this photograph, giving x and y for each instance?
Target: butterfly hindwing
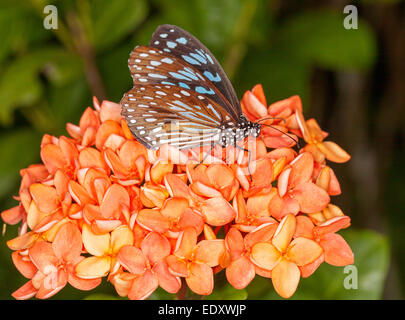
(181, 44)
(159, 114)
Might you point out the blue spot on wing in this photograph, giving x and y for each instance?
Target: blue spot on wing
(179, 76)
(188, 74)
(210, 77)
(182, 40)
(183, 85)
(190, 60)
(203, 90)
(171, 44)
(199, 57)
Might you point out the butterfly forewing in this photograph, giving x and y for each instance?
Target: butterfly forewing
(181, 44)
(151, 66)
(160, 114)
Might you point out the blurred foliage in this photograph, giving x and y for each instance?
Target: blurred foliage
(48, 77)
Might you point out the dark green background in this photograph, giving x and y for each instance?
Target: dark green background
(351, 81)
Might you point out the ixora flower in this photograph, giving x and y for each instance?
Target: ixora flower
(100, 205)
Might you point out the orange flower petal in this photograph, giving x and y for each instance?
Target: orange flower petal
(220, 175)
(93, 267)
(262, 173)
(51, 286)
(153, 196)
(83, 284)
(240, 272)
(337, 251)
(303, 251)
(176, 186)
(143, 286)
(258, 204)
(25, 292)
(115, 198)
(333, 152)
(302, 168)
(284, 233)
(173, 208)
(67, 244)
(304, 227)
(200, 279)
(95, 244)
(52, 157)
(153, 220)
(79, 193)
(155, 247)
(89, 119)
(23, 242)
(265, 255)
(234, 243)
(121, 236)
(332, 225)
(191, 218)
(122, 282)
(259, 94)
(310, 197)
(186, 243)
(132, 259)
(159, 170)
(166, 280)
(310, 268)
(43, 256)
(177, 266)
(24, 265)
(115, 164)
(110, 111)
(14, 215)
(254, 106)
(45, 197)
(209, 251)
(263, 233)
(217, 211)
(91, 158)
(285, 278)
(205, 191)
(106, 129)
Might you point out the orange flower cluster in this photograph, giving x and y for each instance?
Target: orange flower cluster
(101, 205)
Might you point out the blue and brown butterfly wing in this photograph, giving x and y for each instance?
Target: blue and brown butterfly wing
(160, 114)
(183, 45)
(151, 66)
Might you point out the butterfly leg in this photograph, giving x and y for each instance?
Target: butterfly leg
(205, 156)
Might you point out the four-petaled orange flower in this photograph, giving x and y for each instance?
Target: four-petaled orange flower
(101, 205)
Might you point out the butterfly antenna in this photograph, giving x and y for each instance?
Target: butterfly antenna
(292, 138)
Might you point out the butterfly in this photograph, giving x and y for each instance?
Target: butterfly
(181, 95)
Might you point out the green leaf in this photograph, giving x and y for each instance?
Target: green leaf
(101, 296)
(111, 21)
(19, 148)
(20, 84)
(281, 74)
(320, 37)
(20, 27)
(160, 294)
(227, 292)
(371, 253)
